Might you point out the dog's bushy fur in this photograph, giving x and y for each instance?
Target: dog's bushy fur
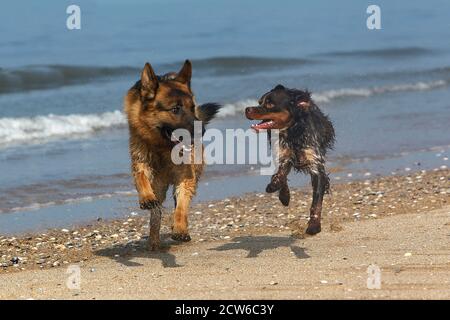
(306, 134)
(155, 107)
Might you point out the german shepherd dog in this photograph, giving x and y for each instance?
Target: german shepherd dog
(305, 136)
(155, 107)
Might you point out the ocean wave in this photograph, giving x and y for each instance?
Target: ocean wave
(50, 127)
(40, 77)
(33, 206)
(37, 129)
(382, 53)
(232, 109)
(328, 96)
(41, 205)
(14, 130)
(239, 64)
(51, 76)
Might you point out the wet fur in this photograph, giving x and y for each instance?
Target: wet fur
(306, 137)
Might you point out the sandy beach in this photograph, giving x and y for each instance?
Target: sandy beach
(252, 247)
(71, 226)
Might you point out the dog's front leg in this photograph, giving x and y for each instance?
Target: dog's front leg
(320, 184)
(142, 176)
(184, 190)
(148, 200)
(279, 180)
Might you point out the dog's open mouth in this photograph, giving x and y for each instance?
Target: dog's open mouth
(267, 121)
(168, 133)
(264, 125)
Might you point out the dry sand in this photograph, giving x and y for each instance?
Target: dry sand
(411, 250)
(243, 248)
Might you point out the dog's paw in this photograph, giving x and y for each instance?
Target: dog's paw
(284, 196)
(313, 228)
(277, 182)
(153, 245)
(271, 188)
(149, 204)
(183, 237)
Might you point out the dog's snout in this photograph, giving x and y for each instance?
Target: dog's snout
(249, 111)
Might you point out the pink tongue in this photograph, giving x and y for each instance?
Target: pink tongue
(263, 125)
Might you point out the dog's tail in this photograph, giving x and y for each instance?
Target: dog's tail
(206, 112)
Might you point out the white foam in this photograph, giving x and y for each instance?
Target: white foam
(13, 130)
(231, 109)
(36, 129)
(328, 96)
(237, 108)
(41, 205)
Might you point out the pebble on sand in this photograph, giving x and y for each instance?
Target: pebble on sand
(253, 214)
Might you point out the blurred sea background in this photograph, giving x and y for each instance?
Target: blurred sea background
(64, 139)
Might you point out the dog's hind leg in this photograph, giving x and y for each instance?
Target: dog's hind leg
(320, 184)
(155, 226)
(155, 216)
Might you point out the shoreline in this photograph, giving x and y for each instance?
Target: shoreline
(250, 214)
(67, 203)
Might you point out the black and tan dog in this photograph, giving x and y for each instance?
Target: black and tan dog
(155, 107)
(305, 136)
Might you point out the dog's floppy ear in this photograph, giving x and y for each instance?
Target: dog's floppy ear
(149, 82)
(185, 73)
(303, 100)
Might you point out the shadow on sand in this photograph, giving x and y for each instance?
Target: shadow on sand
(125, 253)
(256, 245)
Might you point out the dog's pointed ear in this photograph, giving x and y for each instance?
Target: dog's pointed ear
(303, 100)
(185, 73)
(149, 82)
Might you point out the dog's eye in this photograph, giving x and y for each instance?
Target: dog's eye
(176, 109)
